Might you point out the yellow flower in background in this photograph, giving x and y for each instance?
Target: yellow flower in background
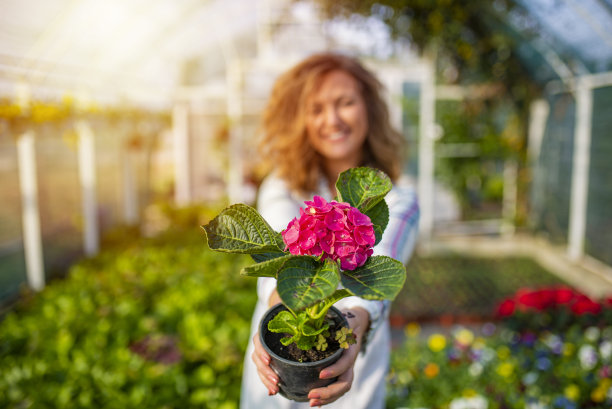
(572, 392)
(503, 352)
(569, 349)
(436, 342)
(505, 369)
(464, 336)
(431, 370)
(601, 391)
(598, 394)
(479, 343)
(469, 393)
(412, 329)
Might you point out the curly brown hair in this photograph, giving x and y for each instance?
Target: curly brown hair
(284, 143)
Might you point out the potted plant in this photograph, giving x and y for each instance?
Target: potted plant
(321, 257)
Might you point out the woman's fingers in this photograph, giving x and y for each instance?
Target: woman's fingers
(358, 319)
(262, 362)
(332, 392)
(346, 362)
(343, 369)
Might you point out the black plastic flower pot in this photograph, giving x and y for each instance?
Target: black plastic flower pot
(296, 379)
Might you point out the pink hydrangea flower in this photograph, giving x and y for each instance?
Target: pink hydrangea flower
(331, 230)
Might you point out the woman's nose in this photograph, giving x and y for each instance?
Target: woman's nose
(332, 116)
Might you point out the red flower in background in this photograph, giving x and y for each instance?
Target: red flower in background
(527, 299)
(584, 305)
(506, 308)
(564, 295)
(538, 299)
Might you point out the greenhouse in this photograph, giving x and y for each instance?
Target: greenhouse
(125, 126)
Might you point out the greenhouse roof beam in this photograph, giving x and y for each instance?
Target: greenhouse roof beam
(31, 57)
(548, 54)
(594, 23)
(606, 5)
(580, 33)
(161, 34)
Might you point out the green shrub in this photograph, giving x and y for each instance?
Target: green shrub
(161, 324)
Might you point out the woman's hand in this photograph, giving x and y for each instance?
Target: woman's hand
(358, 319)
(262, 359)
(262, 362)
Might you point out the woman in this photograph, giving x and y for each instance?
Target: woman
(326, 115)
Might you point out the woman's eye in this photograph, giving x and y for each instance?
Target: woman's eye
(347, 102)
(315, 111)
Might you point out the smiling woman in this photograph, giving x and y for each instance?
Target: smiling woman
(326, 115)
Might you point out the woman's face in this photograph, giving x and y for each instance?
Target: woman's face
(337, 119)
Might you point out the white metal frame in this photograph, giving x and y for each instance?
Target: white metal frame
(32, 241)
(87, 177)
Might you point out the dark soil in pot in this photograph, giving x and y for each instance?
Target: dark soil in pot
(298, 370)
(293, 353)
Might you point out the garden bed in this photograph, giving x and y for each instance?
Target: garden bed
(461, 289)
(164, 322)
(151, 324)
(549, 348)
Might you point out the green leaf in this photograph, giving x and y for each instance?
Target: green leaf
(266, 268)
(363, 188)
(240, 229)
(289, 340)
(303, 281)
(305, 343)
(334, 298)
(379, 215)
(380, 278)
(310, 331)
(284, 321)
(260, 257)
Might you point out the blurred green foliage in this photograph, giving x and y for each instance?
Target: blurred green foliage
(470, 40)
(156, 323)
(484, 136)
(470, 43)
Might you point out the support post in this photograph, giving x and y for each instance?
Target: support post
(538, 115)
(130, 189)
(509, 197)
(182, 157)
(580, 171)
(234, 111)
(87, 177)
(32, 239)
(426, 155)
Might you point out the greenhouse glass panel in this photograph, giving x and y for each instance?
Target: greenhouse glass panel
(552, 176)
(410, 125)
(598, 240)
(12, 258)
(59, 198)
